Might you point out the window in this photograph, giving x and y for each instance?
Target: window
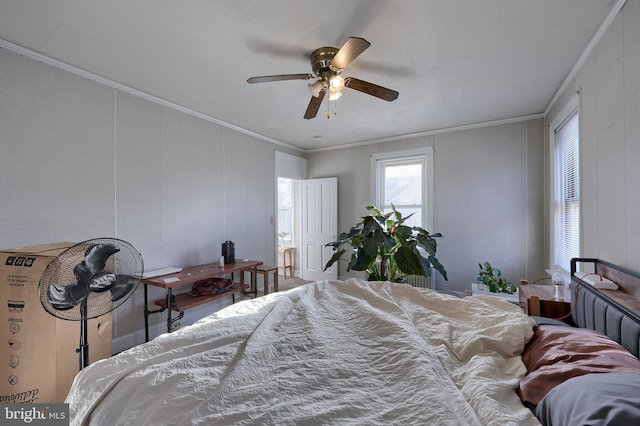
(285, 211)
(566, 232)
(403, 178)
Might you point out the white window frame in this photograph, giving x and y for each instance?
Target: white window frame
(571, 108)
(426, 153)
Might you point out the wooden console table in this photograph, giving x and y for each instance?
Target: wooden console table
(188, 276)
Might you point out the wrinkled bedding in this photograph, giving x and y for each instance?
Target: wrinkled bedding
(330, 352)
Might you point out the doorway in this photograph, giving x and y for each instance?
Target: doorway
(307, 221)
(288, 228)
(289, 171)
(306, 215)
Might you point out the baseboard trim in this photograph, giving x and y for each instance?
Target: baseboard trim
(130, 340)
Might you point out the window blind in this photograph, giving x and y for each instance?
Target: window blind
(567, 192)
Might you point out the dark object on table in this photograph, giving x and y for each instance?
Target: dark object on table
(211, 286)
(229, 252)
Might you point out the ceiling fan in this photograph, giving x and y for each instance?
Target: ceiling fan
(327, 64)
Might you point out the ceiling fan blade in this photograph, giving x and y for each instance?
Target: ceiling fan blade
(281, 77)
(314, 105)
(371, 89)
(350, 50)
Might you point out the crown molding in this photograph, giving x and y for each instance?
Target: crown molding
(587, 51)
(5, 44)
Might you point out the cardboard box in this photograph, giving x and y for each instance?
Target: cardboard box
(39, 351)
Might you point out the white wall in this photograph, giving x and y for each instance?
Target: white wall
(489, 201)
(81, 160)
(488, 197)
(609, 87)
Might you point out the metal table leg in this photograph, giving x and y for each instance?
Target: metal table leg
(147, 312)
(168, 310)
(254, 279)
(254, 282)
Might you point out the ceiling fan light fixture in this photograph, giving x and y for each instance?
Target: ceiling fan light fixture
(315, 88)
(334, 96)
(336, 83)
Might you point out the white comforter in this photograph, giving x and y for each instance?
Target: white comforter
(331, 352)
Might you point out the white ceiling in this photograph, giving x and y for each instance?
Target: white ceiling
(454, 62)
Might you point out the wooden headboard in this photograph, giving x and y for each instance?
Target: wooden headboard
(615, 313)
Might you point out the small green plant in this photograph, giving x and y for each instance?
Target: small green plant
(282, 235)
(492, 278)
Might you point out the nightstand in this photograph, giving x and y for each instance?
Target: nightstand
(538, 300)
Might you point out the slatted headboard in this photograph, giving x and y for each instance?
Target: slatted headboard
(615, 313)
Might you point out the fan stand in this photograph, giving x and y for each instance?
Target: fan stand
(83, 350)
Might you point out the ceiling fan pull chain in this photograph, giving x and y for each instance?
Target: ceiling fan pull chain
(328, 108)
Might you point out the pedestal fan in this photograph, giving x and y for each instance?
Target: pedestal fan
(90, 279)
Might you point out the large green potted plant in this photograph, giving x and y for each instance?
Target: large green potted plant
(387, 249)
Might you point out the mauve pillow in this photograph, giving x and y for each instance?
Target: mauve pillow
(555, 354)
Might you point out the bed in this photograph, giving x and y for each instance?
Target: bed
(330, 352)
(589, 374)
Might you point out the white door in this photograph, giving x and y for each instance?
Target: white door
(319, 227)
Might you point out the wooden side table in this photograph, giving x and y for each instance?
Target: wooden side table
(538, 300)
(264, 270)
(287, 260)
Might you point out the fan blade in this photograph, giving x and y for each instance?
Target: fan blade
(371, 89)
(63, 297)
(281, 77)
(314, 105)
(351, 49)
(124, 284)
(82, 272)
(102, 281)
(96, 256)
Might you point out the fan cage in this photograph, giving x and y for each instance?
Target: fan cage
(127, 262)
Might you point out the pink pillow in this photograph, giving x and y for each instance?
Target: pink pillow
(555, 354)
